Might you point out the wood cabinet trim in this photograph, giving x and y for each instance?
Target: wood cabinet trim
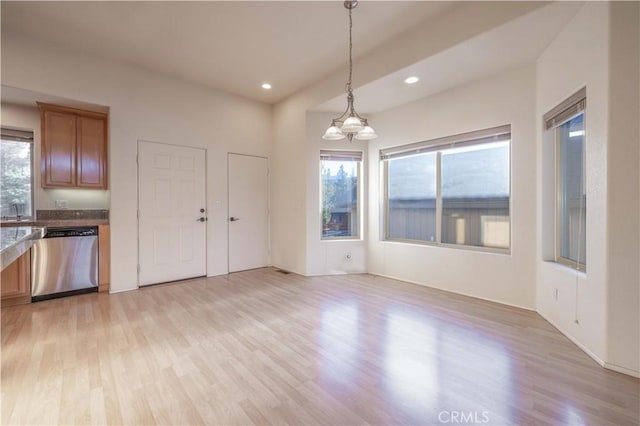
(69, 110)
(104, 258)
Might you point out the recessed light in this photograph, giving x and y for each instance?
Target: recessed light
(411, 80)
(266, 86)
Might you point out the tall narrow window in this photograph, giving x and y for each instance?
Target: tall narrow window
(453, 191)
(340, 171)
(16, 193)
(567, 122)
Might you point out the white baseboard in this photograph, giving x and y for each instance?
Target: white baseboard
(502, 302)
(623, 370)
(123, 290)
(575, 341)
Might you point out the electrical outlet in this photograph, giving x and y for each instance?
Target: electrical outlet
(61, 204)
(347, 256)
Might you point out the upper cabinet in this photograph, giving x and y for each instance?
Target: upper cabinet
(74, 147)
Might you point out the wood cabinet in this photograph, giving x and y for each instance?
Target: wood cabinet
(104, 258)
(74, 147)
(16, 281)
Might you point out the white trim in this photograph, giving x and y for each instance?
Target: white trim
(124, 290)
(513, 305)
(575, 341)
(623, 370)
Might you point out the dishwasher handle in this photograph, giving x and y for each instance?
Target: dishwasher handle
(80, 231)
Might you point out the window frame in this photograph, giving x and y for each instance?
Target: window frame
(567, 110)
(358, 157)
(11, 134)
(438, 145)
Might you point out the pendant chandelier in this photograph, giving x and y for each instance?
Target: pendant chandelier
(350, 124)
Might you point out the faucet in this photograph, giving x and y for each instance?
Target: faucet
(15, 206)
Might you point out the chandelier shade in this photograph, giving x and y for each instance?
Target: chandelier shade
(333, 133)
(350, 124)
(366, 134)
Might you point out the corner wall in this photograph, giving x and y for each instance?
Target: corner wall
(598, 309)
(577, 58)
(624, 231)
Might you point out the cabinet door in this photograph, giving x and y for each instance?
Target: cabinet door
(92, 152)
(16, 281)
(58, 149)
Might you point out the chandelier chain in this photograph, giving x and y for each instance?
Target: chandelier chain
(350, 49)
(350, 124)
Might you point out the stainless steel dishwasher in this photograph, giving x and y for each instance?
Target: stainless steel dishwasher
(64, 263)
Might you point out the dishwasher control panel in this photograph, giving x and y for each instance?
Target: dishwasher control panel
(81, 231)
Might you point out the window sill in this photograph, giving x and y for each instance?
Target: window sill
(489, 250)
(565, 268)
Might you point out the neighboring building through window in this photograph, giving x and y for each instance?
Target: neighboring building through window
(340, 174)
(16, 182)
(452, 191)
(567, 122)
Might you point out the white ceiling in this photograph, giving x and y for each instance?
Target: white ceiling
(233, 46)
(514, 44)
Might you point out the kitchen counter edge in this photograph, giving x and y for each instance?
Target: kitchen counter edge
(17, 245)
(57, 223)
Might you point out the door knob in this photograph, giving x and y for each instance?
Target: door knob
(202, 219)
(233, 219)
(201, 210)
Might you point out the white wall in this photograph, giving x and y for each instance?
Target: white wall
(507, 98)
(288, 191)
(623, 328)
(145, 106)
(597, 310)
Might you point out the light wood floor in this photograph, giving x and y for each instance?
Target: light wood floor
(266, 348)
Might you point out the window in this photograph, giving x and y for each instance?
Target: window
(567, 122)
(340, 194)
(452, 191)
(16, 193)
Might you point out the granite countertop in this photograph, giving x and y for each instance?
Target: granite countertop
(71, 222)
(56, 222)
(16, 240)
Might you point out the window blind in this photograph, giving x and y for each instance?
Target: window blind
(569, 108)
(16, 135)
(341, 155)
(494, 134)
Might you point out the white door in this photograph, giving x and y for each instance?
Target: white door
(172, 241)
(248, 212)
